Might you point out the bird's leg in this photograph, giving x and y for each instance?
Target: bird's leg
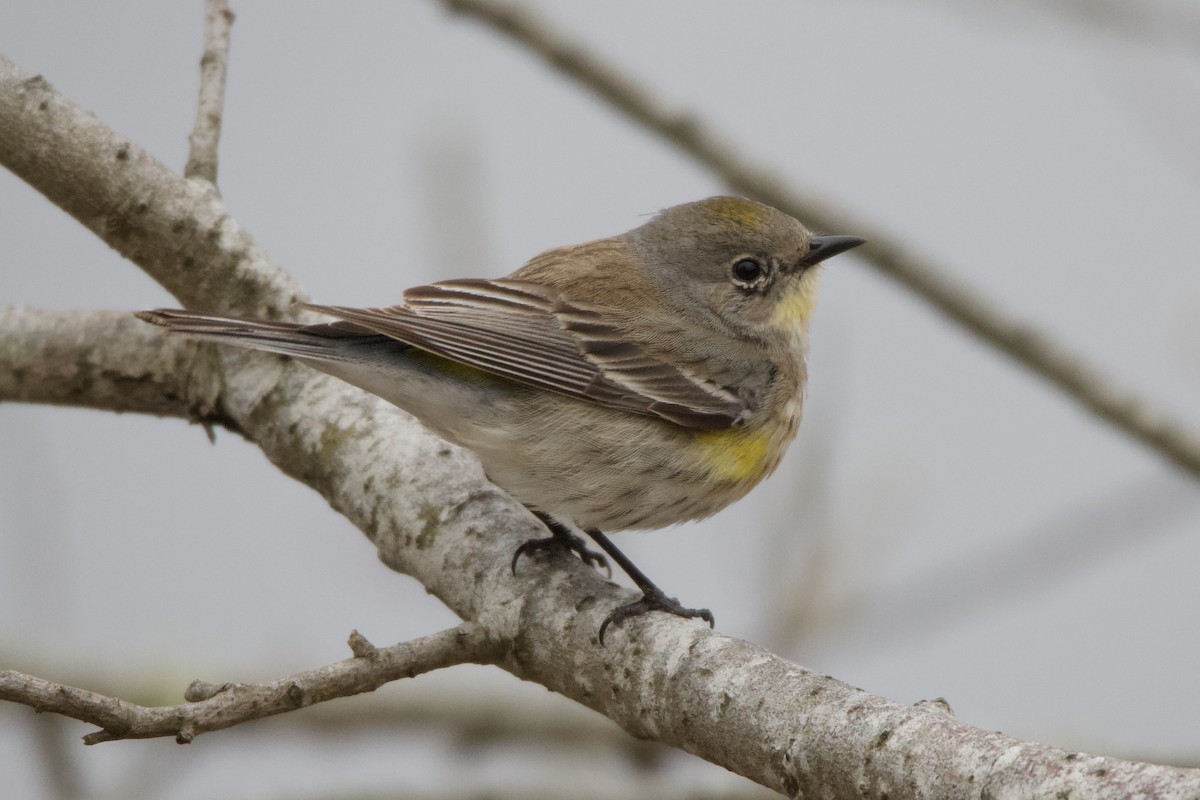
(653, 598)
(561, 536)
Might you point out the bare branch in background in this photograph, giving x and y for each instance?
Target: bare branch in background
(481, 710)
(210, 108)
(214, 707)
(1150, 23)
(450, 182)
(1119, 406)
(58, 759)
(1017, 567)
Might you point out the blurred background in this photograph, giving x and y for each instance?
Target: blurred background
(947, 525)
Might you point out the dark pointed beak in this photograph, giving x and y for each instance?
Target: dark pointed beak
(823, 247)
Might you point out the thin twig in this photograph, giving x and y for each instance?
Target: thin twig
(1027, 345)
(210, 108)
(213, 707)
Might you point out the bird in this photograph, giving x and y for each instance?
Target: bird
(631, 382)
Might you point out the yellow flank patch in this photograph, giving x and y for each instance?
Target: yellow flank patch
(451, 367)
(735, 209)
(734, 454)
(796, 307)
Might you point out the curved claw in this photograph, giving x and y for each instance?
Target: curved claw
(653, 602)
(529, 546)
(592, 558)
(567, 540)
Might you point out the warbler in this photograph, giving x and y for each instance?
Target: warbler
(632, 382)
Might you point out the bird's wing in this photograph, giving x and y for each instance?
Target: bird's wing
(531, 334)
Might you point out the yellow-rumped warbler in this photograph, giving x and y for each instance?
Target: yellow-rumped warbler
(632, 382)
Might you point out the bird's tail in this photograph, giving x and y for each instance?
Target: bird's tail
(334, 341)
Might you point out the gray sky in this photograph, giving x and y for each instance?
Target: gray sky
(982, 539)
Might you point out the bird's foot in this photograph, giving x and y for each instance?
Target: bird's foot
(561, 536)
(653, 600)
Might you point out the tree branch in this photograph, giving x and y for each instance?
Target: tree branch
(175, 230)
(1121, 407)
(106, 360)
(484, 710)
(432, 514)
(213, 707)
(206, 134)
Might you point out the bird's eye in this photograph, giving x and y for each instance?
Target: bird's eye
(748, 271)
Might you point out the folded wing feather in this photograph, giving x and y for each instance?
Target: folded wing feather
(529, 333)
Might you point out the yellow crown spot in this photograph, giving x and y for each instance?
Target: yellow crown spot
(796, 307)
(735, 209)
(735, 454)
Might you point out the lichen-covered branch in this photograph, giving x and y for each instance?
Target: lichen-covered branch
(105, 360)
(1033, 348)
(213, 707)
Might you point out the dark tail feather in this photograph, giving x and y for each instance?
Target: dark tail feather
(335, 340)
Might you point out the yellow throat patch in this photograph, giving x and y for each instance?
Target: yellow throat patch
(796, 307)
